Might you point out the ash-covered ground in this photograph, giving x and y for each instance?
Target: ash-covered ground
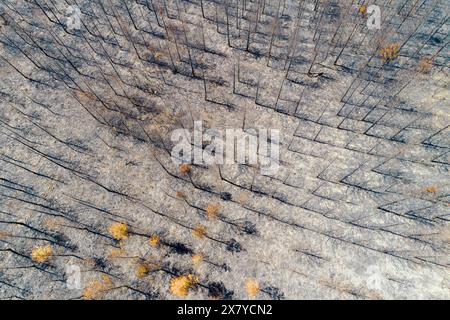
(93, 207)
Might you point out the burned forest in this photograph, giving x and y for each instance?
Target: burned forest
(339, 186)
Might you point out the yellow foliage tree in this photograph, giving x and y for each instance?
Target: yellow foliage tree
(252, 287)
(431, 189)
(97, 289)
(199, 232)
(212, 210)
(42, 254)
(155, 241)
(180, 286)
(185, 168)
(363, 10)
(197, 259)
(425, 65)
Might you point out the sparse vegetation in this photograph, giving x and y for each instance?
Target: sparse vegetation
(181, 195)
(197, 259)
(185, 169)
(119, 231)
(199, 232)
(87, 171)
(363, 10)
(180, 286)
(42, 254)
(431, 189)
(97, 289)
(155, 241)
(390, 52)
(252, 288)
(143, 270)
(425, 65)
(212, 210)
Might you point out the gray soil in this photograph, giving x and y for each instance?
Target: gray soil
(357, 210)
